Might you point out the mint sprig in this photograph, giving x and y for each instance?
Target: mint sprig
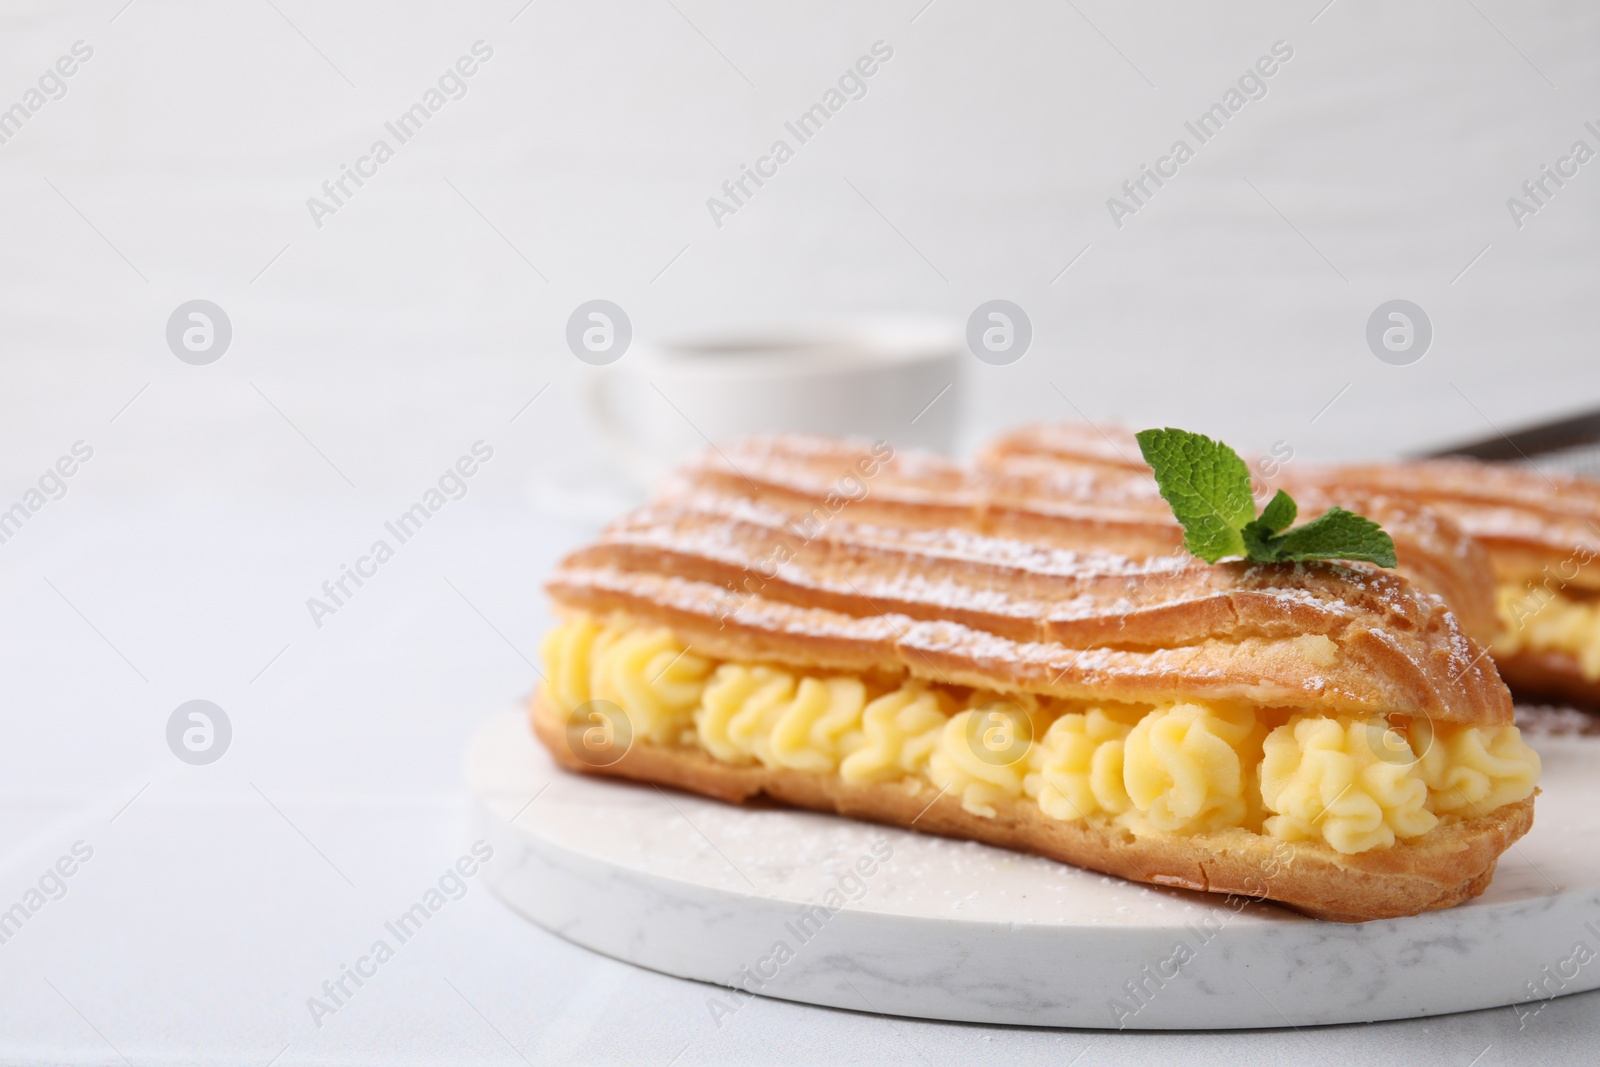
(1208, 486)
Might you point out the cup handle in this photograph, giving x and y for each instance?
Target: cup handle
(603, 417)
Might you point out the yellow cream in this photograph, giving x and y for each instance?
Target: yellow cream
(981, 753)
(1543, 620)
(645, 670)
(1076, 768)
(899, 732)
(1352, 783)
(1176, 769)
(1190, 768)
(1473, 771)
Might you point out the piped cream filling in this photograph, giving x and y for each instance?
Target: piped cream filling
(1539, 619)
(1182, 768)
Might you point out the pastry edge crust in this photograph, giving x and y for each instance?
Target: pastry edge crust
(1371, 675)
(1549, 675)
(1442, 869)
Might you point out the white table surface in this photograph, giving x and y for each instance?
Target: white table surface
(370, 353)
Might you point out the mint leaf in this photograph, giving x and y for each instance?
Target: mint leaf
(1279, 513)
(1261, 538)
(1208, 487)
(1260, 541)
(1338, 534)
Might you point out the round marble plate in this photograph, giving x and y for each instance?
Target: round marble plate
(825, 910)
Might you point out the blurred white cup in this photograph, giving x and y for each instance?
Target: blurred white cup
(890, 379)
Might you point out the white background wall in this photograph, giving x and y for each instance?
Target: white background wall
(593, 138)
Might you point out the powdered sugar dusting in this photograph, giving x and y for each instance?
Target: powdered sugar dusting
(765, 552)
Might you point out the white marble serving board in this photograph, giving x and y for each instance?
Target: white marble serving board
(945, 929)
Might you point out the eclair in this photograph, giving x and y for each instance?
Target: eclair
(1073, 466)
(1542, 534)
(1539, 533)
(832, 626)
